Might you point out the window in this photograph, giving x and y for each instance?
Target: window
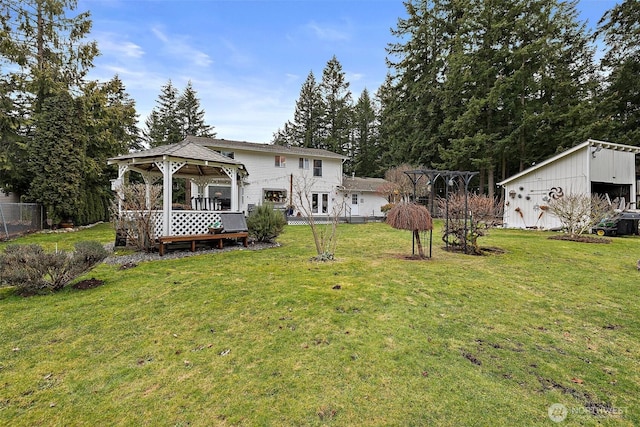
(274, 196)
(354, 199)
(319, 203)
(317, 168)
(303, 163)
(281, 161)
(229, 154)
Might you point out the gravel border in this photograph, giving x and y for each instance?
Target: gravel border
(140, 256)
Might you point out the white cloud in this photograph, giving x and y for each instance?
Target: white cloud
(113, 44)
(179, 47)
(328, 32)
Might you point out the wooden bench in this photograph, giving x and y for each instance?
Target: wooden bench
(165, 240)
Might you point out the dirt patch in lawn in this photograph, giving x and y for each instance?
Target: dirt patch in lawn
(88, 284)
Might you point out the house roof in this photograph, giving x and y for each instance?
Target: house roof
(587, 143)
(199, 160)
(268, 148)
(362, 184)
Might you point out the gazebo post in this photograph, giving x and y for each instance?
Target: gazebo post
(167, 195)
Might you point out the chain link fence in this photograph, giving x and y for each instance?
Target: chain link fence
(20, 218)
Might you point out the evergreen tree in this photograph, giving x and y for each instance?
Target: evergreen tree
(44, 52)
(57, 156)
(619, 106)
(164, 124)
(47, 45)
(110, 120)
(364, 154)
(192, 115)
(488, 85)
(337, 118)
(412, 95)
(306, 128)
(175, 116)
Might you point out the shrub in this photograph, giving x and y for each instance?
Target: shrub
(32, 270)
(86, 255)
(265, 223)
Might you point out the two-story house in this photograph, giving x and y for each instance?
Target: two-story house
(276, 174)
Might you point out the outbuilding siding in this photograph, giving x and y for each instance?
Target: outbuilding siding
(527, 194)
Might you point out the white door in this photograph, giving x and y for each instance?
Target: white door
(354, 205)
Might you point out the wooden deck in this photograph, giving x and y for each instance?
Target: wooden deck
(193, 238)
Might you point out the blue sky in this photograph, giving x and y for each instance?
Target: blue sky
(247, 59)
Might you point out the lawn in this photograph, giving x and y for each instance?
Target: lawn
(374, 338)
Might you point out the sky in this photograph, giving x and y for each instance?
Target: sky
(247, 59)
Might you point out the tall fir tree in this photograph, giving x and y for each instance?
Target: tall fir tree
(45, 52)
(619, 103)
(364, 151)
(164, 124)
(489, 85)
(192, 114)
(337, 118)
(111, 123)
(175, 116)
(306, 128)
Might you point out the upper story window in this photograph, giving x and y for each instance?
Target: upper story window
(281, 161)
(303, 163)
(317, 167)
(229, 154)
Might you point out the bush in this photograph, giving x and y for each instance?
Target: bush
(86, 255)
(265, 223)
(31, 270)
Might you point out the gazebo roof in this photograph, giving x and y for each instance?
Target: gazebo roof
(199, 161)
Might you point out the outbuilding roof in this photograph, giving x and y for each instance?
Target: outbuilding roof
(587, 143)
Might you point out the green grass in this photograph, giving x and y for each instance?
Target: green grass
(267, 338)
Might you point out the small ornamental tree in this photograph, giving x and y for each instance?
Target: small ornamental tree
(311, 206)
(463, 231)
(412, 217)
(579, 212)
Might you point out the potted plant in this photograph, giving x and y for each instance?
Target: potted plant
(215, 227)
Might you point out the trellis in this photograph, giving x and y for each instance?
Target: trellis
(451, 179)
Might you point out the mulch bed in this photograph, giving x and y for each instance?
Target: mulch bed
(581, 238)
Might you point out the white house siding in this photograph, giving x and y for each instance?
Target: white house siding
(369, 201)
(527, 193)
(267, 178)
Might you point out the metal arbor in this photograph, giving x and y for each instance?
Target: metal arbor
(451, 179)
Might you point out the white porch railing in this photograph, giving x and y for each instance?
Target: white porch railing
(184, 223)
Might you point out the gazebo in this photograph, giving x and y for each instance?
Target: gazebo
(196, 164)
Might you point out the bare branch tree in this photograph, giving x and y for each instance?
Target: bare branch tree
(325, 234)
(399, 187)
(463, 230)
(579, 212)
(135, 217)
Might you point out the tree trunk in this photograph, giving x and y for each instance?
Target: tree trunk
(416, 234)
